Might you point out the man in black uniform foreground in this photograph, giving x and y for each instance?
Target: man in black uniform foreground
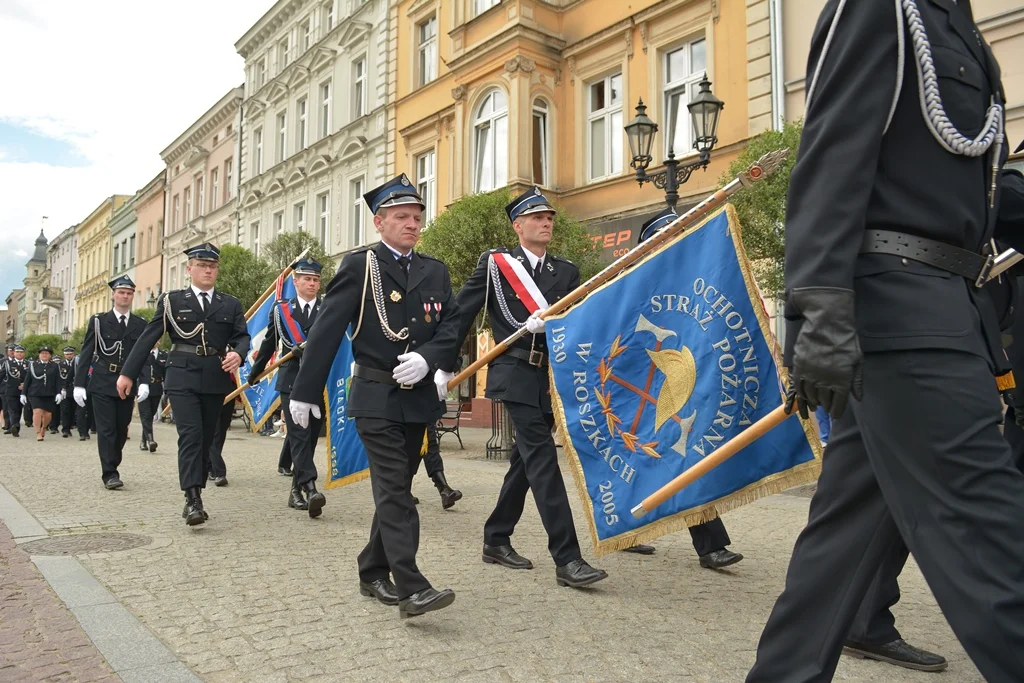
(405, 321)
(892, 201)
(209, 338)
(519, 284)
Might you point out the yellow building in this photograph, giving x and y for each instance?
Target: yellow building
(92, 294)
(486, 93)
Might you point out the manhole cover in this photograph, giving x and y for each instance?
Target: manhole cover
(83, 544)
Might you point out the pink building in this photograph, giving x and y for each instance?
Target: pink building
(149, 206)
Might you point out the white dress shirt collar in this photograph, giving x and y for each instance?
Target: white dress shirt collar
(533, 258)
(198, 291)
(395, 251)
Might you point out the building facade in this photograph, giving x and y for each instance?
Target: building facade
(123, 228)
(15, 303)
(314, 128)
(33, 317)
(1001, 23)
(92, 294)
(201, 187)
(59, 294)
(149, 209)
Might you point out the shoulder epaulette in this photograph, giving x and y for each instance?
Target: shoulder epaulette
(428, 257)
(562, 259)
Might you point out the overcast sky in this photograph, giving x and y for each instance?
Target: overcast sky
(91, 93)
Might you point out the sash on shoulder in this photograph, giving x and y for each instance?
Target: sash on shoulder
(291, 327)
(521, 281)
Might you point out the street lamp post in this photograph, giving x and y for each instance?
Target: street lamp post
(65, 333)
(705, 110)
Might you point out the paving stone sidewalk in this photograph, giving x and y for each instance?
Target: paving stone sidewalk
(263, 593)
(40, 640)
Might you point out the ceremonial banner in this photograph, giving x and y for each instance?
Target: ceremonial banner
(657, 368)
(346, 457)
(263, 399)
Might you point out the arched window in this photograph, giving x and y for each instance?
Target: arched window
(541, 122)
(490, 142)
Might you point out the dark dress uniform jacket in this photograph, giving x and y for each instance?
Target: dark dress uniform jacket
(158, 367)
(67, 372)
(509, 378)
(14, 372)
(428, 283)
(49, 386)
(287, 372)
(849, 183)
(225, 331)
(106, 369)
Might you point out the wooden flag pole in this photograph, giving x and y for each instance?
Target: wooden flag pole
(269, 369)
(731, 448)
(270, 290)
(760, 169)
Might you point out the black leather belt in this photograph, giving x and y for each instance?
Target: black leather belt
(197, 350)
(378, 376)
(113, 367)
(154, 380)
(967, 264)
(538, 359)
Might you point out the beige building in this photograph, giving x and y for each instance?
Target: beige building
(92, 293)
(59, 294)
(32, 315)
(149, 208)
(1000, 21)
(202, 187)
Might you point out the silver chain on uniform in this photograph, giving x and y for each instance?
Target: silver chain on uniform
(169, 320)
(103, 348)
(494, 274)
(378, 301)
(32, 369)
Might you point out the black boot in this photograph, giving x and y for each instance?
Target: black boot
(449, 496)
(295, 499)
(194, 513)
(314, 499)
(143, 445)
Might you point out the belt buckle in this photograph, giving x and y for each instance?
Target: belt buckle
(111, 367)
(406, 387)
(201, 351)
(536, 358)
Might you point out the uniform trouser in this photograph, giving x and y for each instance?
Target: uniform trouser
(67, 411)
(195, 416)
(875, 622)
(149, 409)
(26, 411)
(12, 411)
(302, 441)
(113, 415)
(919, 458)
(709, 536)
(395, 529)
(433, 457)
(285, 458)
(215, 464)
(534, 465)
(82, 415)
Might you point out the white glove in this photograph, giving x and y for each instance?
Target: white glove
(534, 324)
(58, 399)
(63, 393)
(441, 379)
(300, 412)
(80, 396)
(143, 393)
(412, 369)
(24, 400)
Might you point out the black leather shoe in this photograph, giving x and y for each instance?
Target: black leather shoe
(81, 438)
(143, 446)
(449, 496)
(315, 500)
(113, 483)
(194, 513)
(899, 652)
(426, 600)
(578, 574)
(505, 556)
(220, 481)
(64, 435)
(184, 513)
(717, 559)
(284, 471)
(152, 446)
(295, 499)
(415, 500)
(382, 589)
(640, 549)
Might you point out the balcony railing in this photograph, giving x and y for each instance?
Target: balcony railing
(53, 297)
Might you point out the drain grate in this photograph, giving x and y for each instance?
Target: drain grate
(85, 544)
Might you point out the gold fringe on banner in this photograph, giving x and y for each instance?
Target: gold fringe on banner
(344, 481)
(803, 473)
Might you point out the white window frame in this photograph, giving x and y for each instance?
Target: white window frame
(214, 188)
(492, 122)
(277, 224)
(323, 223)
(425, 164)
(131, 251)
(682, 145)
(481, 6)
(257, 149)
(611, 113)
(229, 174)
(327, 15)
(326, 107)
(426, 52)
(117, 247)
(254, 238)
(307, 33)
(299, 216)
(358, 211)
(176, 215)
(302, 115)
(188, 203)
(261, 72)
(359, 89)
(544, 114)
(283, 53)
(282, 135)
(201, 195)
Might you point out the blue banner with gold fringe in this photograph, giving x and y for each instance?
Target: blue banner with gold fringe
(263, 399)
(346, 457)
(655, 370)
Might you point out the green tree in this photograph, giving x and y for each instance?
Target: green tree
(76, 339)
(243, 274)
(762, 208)
(33, 341)
(283, 249)
(147, 314)
(478, 222)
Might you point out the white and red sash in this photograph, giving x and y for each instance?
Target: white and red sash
(521, 281)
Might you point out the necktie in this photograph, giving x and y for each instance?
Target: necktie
(536, 269)
(404, 262)
(305, 311)
(124, 321)
(205, 300)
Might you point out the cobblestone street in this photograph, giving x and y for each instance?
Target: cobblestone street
(263, 593)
